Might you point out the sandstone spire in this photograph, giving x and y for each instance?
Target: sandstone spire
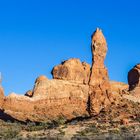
(99, 81)
(99, 74)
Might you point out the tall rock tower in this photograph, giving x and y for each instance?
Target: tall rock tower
(99, 73)
(99, 80)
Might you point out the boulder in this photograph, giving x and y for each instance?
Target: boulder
(72, 70)
(29, 93)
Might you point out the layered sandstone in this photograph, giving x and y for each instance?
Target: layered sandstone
(118, 87)
(59, 99)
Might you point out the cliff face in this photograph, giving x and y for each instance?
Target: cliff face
(76, 90)
(52, 99)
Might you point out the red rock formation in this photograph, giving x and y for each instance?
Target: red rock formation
(75, 91)
(99, 74)
(59, 99)
(29, 93)
(1, 97)
(72, 70)
(40, 87)
(134, 77)
(99, 80)
(134, 83)
(118, 87)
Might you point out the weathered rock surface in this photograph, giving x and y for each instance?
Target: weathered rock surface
(134, 84)
(100, 96)
(118, 87)
(77, 90)
(41, 86)
(29, 93)
(57, 99)
(1, 97)
(134, 77)
(72, 70)
(99, 74)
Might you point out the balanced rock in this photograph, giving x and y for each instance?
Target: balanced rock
(72, 70)
(134, 77)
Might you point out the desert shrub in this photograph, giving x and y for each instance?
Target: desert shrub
(61, 132)
(10, 132)
(90, 130)
(31, 126)
(114, 131)
(57, 122)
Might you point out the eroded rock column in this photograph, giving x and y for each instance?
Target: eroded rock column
(99, 80)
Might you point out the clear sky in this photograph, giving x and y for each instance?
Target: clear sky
(36, 35)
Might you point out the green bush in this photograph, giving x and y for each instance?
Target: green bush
(9, 133)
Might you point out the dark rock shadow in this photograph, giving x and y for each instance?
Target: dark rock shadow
(133, 79)
(5, 117)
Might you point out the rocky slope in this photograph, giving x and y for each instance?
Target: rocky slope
(76, 90)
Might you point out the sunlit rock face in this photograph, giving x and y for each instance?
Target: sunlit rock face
(99, 80)
(72, 70)
(58, 98)
(99, 73)
(76, 90)
(1, 97)
(118, 87)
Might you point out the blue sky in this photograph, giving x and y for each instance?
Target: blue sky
(36, 35)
